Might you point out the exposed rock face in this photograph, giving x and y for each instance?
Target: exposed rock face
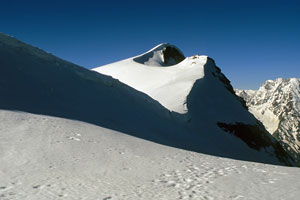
(277, 104)
(255, 137)
(161, 55)
(172, 55)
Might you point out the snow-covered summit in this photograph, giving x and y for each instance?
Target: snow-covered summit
(169, 85)
(199, 96)
(277, 104)
(162, 55)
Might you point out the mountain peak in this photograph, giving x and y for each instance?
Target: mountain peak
(199, 97)
(164, 54)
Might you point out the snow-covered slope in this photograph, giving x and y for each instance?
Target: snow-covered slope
(46, 158)
(200, 97)
(149, 74)
(214, 120)
(277, 104)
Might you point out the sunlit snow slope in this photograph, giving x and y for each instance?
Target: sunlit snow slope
(169, 84)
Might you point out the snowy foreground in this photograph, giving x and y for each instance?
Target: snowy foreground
(69, 162)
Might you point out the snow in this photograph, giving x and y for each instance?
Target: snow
(50, 86)
(172, 85)
(262, 110)
(267, 117)
(277, 105)
(44, 84)
(197, 95)
(90, 136)
(168, 85)
(40, 161)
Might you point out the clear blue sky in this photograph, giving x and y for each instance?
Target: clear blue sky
(251, 41)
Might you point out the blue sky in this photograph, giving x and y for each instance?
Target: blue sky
(251, 41)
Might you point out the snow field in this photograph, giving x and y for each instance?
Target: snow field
(47, 163)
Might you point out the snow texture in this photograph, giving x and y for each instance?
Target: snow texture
(46, 157)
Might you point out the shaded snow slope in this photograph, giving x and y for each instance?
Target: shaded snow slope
(277, 105)
(45, 158)
(202, 99)
(214, 120)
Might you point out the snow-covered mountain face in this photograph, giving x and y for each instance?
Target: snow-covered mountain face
(277, 105)
(147, 73)
(200, 98)
(189, 105)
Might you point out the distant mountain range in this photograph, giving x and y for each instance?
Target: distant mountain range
(277, 105)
